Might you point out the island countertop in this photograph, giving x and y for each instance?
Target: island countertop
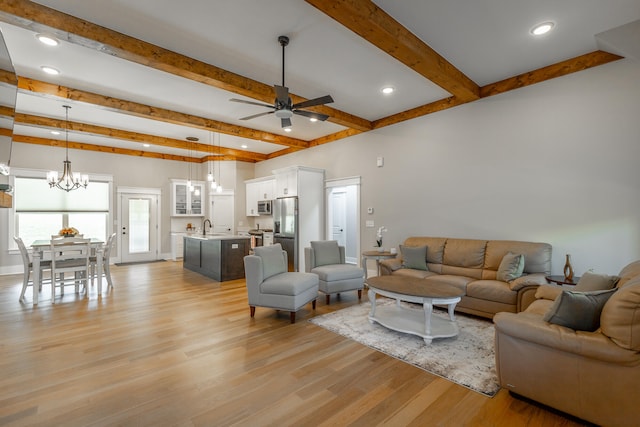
(216, 255)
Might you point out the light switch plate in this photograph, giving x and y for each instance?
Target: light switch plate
(369, 223)
(380, 161)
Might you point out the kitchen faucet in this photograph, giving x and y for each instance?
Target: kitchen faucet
(204, 226)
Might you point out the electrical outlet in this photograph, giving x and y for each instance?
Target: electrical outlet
(369, 223)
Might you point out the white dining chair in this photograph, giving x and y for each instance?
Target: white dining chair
(28, 268)
(106, 255)
(69, 255)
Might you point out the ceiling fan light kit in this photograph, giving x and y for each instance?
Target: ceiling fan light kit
(282, 107)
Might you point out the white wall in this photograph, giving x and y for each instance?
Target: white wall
(555, 162)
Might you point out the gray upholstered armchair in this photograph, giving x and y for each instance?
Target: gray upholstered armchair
(269, 284)
(327, 260)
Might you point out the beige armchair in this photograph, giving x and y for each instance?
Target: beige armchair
(269, 284)
(326, 259)
(593, 374)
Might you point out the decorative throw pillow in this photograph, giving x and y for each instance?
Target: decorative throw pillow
(511, 267)
(272, 260)
(326, 252)
(596, 282)
(414, 257)
(579, 311)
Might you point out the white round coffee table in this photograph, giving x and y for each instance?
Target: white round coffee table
(411, 320)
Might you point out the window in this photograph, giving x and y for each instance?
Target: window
(41, 211)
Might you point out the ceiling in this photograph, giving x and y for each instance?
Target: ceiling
(159, 71)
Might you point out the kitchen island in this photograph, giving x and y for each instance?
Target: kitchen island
(218, 256)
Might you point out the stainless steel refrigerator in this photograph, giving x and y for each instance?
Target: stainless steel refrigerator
(285, 228)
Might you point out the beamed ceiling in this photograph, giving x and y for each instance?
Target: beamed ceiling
(156, 72)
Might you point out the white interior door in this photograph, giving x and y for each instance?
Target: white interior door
(222, 213)
(343, 215)
(338, 217)
(138, 227)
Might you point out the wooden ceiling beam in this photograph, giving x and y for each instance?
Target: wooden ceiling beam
(373, 24)
(102, 148)
(36, 17)
(153, 113)
(559, 69)
(51, 123)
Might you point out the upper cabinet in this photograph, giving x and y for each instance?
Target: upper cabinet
(259, 189)
(185, 202)
(286, 182)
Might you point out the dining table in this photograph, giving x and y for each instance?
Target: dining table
(41, 247)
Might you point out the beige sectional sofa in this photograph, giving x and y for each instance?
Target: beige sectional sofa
(473, 265)
(592, 374)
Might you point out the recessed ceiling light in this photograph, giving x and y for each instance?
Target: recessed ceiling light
(387, 90)
(146, 145)
(50, 70)
(55, 132)
(287, 129)
(47, 39)
(244, 146)
(313, 119)
(542, 28)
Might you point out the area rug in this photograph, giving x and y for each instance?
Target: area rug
(467, 359)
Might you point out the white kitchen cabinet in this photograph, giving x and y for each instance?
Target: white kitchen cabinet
(256, 190)
(185, 202)
(287, 182)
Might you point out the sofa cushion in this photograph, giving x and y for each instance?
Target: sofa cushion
(492, 290)
(596, 282)
(511, 267)
(459, 282)
(326, 252)
(464, 253)
(579, 311)
(410, 272)
(414, 257)
(548, 292)
(620, 318)
(272, 260)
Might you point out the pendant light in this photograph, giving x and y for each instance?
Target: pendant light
(219, 187)
(69, 180)
(210, 176)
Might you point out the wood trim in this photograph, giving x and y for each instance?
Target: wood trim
(47, 122)
(559, 69)
(35, 17)
(373, 24)
(153, 113)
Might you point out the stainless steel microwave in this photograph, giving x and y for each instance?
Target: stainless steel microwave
(264, 207)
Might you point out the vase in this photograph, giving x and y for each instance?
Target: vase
(380, 249)
(568, 269)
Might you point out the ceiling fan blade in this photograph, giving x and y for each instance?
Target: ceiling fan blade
(250, 102)
(286, 122)
(311, 115)
(327, 99)
(258, 115)
(282, 94)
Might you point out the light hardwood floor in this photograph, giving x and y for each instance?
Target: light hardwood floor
(171, 347)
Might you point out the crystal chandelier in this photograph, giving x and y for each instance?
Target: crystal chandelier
(69, 180)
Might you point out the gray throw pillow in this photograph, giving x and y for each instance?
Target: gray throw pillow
(272, 260)
(326, 252)
(579, 311)
(414, 257)
(511, 267)
(596, 282)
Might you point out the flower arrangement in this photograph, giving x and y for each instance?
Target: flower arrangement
(68, 232)
(381, 230)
